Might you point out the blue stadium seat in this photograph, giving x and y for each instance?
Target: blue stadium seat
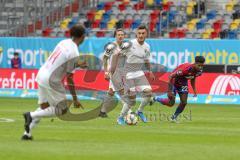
(103, 24)
(136, 23)
(211, 14)
(100, 6)
(232, 34)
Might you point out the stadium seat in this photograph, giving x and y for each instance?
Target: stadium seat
(103, 24)
(100, 6)
(108, 6)
(211, 14)
(150, 3)
(106, 16)
(38, 25)
(122, 7)
(217, 25)
(138, 6)
(229, 6)
(111, 24)
(232, 34)
(128, 24)
(158, 2)
(214, 35)
(46, 32)
(96, 24)
(98, 15)
(181, 33)
(135, 24)
(100, 34)
(171, 15)
(91, 15)
(173, 34)
(30, 28)
(200, 25)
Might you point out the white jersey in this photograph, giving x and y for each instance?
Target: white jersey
(58, 64)
(121, 58)
(136, 55)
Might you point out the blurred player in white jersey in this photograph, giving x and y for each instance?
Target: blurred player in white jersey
(60, 64)
(114, 72)
(137, 53)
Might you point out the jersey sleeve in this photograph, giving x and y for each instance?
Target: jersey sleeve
(178, 72)
(109, 49)
(125, 47)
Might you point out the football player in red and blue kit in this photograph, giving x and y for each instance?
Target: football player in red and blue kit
(178, 83)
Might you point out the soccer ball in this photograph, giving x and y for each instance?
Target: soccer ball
(131, 118)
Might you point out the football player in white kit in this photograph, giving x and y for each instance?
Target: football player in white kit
(137, 53)
(113, 72)
(51, 92)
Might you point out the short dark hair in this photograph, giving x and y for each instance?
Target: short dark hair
(15, 53)
(117, 30)
(199, 59)
(77, 31)
(143, 27)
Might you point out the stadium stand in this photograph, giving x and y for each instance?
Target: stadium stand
(165, 18)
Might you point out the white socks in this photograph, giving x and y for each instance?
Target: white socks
(144, 102)
(48, 112)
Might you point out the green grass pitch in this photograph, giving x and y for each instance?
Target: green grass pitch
(212, 134)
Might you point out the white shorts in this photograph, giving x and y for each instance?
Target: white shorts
(49, 95)
(138, 84)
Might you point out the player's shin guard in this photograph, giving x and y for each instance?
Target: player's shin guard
(107, 103)
(125, 110)
(179, 110)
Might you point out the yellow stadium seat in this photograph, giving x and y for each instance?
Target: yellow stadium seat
(189, 10)
(234, 25)
(191, 26)
(98, 15)
(205, 35)
(150, 2)
(164, 1)
(237, 21)
(64, 23)
(111, 24)
(229, 7)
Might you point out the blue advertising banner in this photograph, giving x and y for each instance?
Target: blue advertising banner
(88, 95)
(170, 53)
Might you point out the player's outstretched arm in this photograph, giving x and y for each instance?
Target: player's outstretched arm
(105, 67)
(193, 84)
(72, 90)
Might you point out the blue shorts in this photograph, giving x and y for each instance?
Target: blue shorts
(180, 89)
